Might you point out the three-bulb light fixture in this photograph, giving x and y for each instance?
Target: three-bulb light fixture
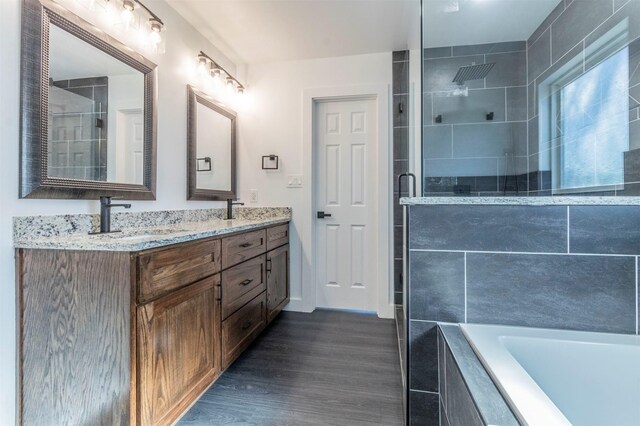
(208, 65)
(155, 24)
(133, 17)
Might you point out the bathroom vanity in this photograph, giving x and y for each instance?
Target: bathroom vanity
(133, 328)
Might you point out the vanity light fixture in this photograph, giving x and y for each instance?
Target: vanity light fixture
(131, 15)
(217, 72)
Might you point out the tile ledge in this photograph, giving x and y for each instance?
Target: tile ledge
(522, 201)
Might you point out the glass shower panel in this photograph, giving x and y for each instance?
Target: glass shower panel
(530, 98)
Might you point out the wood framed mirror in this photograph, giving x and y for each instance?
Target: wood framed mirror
(211, 146)
(88, 110)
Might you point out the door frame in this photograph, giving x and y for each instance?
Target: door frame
(383, 208)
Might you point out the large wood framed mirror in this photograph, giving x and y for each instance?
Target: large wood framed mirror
(88, 110)
(211, 142)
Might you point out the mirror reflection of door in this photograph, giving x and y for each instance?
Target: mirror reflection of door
(129, 147)
(96, 110)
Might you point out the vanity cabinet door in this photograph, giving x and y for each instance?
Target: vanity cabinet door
(277, 280)
(178, 350)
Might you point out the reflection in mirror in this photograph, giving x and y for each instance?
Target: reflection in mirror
(96, 113)
(211, 140)
(531, 98)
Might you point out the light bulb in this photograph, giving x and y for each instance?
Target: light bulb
(202, 64)
(230, 84)
(127, 12)
(154, 37)
(215, 73)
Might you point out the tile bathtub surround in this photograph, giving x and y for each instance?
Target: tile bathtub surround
(578, 273)
(540, 264)
(485, 228)
(468, 396)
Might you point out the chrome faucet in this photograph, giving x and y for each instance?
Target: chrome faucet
(230, 205)
(105, 214)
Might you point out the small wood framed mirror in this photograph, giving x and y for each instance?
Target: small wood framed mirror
(211, 148)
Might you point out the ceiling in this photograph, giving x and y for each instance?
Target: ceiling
(252, 31)
(482, 21)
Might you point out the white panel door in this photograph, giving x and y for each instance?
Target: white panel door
(345, 160)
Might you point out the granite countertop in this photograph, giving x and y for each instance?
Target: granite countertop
(523, 201)
(70, 232)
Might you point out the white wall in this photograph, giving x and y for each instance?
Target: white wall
(271, 123)
(176, 69)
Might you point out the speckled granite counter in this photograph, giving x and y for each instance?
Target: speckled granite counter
(140, 230)
(523, 201)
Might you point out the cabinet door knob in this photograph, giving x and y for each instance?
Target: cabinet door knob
(246, 282)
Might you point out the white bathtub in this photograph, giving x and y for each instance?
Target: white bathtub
(556, 377)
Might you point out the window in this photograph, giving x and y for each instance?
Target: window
(593, 127)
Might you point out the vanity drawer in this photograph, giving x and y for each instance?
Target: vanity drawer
(241, 247)
(165, 270)
(239, 330)
(242, 283)
(277, 236)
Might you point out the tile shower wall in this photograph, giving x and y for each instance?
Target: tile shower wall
(572, 38)
(78, 121)
(400, 156)
(514, 152)
(568, 267)
(463, 150)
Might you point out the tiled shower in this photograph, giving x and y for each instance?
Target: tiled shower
(509, 134)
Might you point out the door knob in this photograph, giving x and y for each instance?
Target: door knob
(322, 215)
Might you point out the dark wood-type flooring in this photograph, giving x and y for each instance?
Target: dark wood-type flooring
(323, 368)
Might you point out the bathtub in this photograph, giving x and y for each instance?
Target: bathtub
(557, 377)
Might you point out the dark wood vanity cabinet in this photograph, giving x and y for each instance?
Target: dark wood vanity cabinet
(277, 280)
(135, 338)
(178, 339)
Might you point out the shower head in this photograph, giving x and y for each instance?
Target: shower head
(472, 72)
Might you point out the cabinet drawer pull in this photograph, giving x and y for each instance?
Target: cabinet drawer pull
(245, 245)
(246, 282)
(268, 265)
(246, 325)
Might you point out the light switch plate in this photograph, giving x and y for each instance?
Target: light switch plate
(253, 195)
(294, 181)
